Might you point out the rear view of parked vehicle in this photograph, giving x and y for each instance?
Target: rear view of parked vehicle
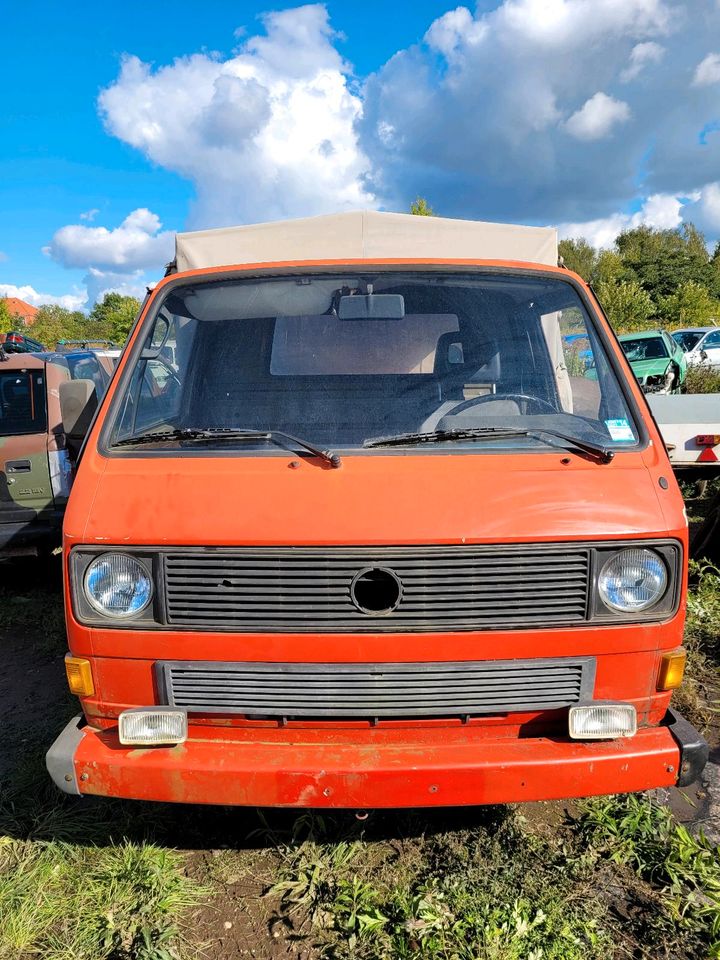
(37, 446)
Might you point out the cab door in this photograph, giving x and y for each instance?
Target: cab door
(25, 485)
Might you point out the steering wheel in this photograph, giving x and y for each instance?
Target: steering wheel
(538, 403)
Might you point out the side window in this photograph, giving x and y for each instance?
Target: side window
(89, 369)
(712, 340)
(574, 359)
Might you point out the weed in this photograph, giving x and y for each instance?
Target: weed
(486, 893)
(697, 696)
(702, 378)
(634, 831)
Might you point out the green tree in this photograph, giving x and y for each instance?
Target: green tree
(53, 323)
(609, 268)
(626, 304)
(6, 321)
(421, 208)
(661, 260)
(715, 272)
(690, 305)
(113, 316)
(578, 256)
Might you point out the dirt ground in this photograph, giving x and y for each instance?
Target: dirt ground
(231, 851)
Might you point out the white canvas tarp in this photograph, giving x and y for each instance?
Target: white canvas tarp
(366, 235)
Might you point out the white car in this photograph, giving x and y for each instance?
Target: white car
(701, 344)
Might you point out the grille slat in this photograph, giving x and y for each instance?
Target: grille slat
(306, 590)
(376, 690)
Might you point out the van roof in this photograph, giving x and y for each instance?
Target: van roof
(23, 361)
(364, 235)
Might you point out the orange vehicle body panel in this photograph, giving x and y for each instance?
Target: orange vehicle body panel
(379, 499)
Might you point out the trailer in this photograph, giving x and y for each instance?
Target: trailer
(690, 427)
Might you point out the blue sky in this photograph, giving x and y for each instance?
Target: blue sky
(589, 114)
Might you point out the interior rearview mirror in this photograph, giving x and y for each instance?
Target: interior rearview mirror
(373, 306)
(78, 402)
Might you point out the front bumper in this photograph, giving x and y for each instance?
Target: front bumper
(370, 773)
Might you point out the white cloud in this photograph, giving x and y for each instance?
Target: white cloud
(559, 25)
(706, 210)
(269, 132)
(90, 215)
(597, 117)
(707, 71)
(661, 211)
(454, 29)
(137, 244)
(113, 259)
(100, 282)
(71, 301)
(640, 56)
(527, 112)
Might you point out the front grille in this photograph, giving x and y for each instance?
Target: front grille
(362, 690)
(310, 590)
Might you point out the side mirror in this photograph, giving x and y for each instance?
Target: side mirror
(703, 355)
(78, 403)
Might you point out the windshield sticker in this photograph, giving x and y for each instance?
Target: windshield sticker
(620, 431)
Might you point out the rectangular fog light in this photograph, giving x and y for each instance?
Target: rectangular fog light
(602, 721)
(152, 726)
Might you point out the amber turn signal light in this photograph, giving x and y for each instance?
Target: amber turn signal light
(79, 676)
(672, 668)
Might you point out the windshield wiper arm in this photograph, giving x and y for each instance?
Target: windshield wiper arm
(207, 434)
(602, 454)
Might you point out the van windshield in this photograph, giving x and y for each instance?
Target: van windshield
(342, 360)
(22, 402)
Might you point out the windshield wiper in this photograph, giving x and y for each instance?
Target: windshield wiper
(600, 453)
(209, 434)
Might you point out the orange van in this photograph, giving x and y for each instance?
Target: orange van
(359, 525)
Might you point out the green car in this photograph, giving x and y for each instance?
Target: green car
(656, 359)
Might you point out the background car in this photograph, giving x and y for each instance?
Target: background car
(701, 344)
(36, 457)
(656, 359)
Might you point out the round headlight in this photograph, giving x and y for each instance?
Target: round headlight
(632, 580)
(118, 585)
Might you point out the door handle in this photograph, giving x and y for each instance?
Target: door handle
(18, 466)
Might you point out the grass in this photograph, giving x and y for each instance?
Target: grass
(61, 900)
(74, 887)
